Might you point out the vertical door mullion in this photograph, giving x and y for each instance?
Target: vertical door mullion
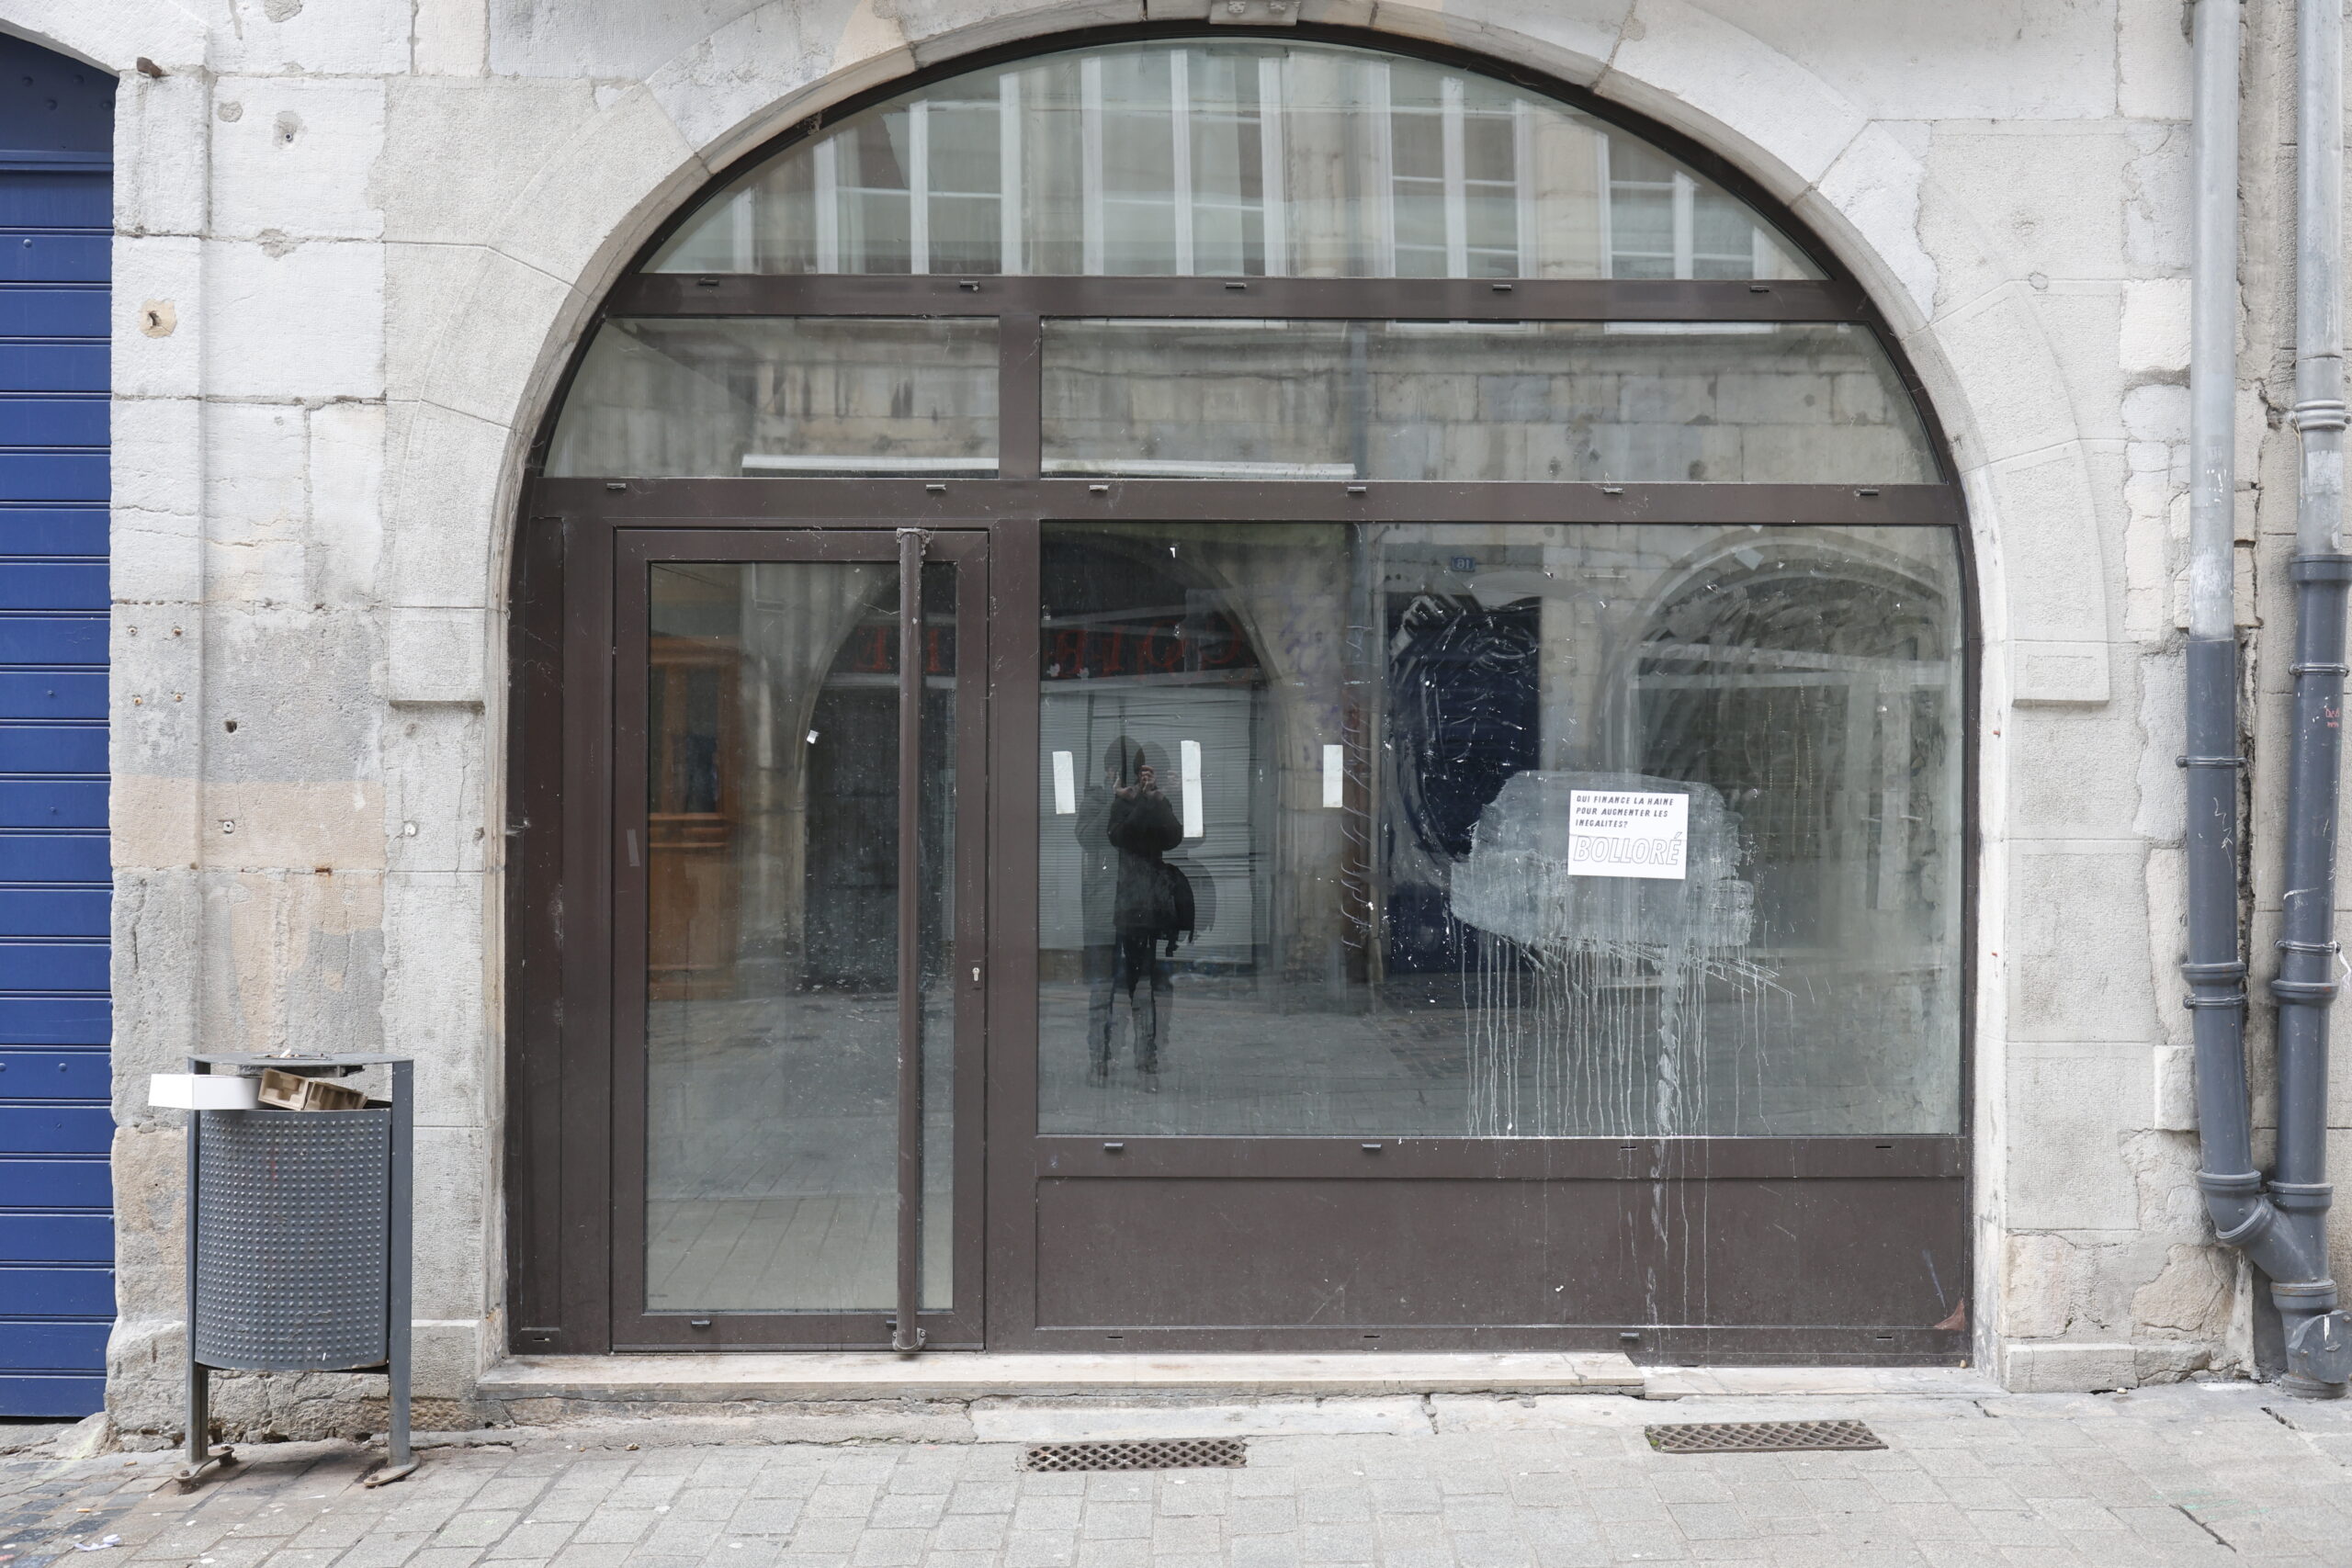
(905, 1334)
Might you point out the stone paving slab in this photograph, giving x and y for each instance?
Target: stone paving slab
(2182, 1475)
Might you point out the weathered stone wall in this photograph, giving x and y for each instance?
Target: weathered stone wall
(371, 230)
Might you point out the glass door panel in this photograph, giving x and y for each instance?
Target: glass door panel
(768, 794)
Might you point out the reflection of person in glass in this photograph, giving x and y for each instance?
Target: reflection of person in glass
(1125, 826)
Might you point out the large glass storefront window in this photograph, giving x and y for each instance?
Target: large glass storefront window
(1499, 830)
(1234, 158)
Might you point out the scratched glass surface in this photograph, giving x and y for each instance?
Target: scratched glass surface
(1238, 157)
(1499, 830)
(772, 865)
(781, 397)
(1731, 402)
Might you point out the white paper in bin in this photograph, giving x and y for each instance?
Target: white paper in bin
(203, 1091)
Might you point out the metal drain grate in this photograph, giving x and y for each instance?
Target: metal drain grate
(1761, 1436)
(1153, 1453)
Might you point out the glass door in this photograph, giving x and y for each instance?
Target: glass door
(798, 932)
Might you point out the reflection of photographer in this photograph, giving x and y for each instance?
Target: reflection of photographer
(1124, 829)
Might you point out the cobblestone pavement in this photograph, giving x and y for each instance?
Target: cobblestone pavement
(2186, 1474)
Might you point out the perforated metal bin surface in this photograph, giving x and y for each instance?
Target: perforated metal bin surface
(293, 1239)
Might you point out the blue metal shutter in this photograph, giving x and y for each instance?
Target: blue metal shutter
(56, 1192)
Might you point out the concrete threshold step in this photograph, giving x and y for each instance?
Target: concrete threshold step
(803, 1376)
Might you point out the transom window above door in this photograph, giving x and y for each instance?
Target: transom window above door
(1248, 158)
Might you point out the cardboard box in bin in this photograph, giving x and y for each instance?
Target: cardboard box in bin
(292, 1091)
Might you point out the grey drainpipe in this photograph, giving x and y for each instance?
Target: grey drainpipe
(2282, 1230)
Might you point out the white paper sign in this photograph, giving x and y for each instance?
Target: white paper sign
(1628, 833)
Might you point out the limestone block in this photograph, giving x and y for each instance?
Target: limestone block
(147, 1372)
(294, 961)
(294, 156)
(2052, 193)
(2192, 1296)
(162, 136)
(156, 465)
(2158, 209)
(345, 538)
(584, 213)
(497, 354)
(158, 925)
(451, 38)
(445, 506)
(427, 286)
(456, 1187)
(150, 1164)
(2003, 58)
(2056, 576)
(155, 677)
(2038, 1285)
(112, 36)
(940, 30)
(291, 694)
(1872, 196)
(294, 319)
(1778, 121)
(459, 152)
(2155, 340)
(351, 38)
(1569, 38)
(724, 92)
(2070, 1107)
(158, 311)
(2152, 65)
(436, 656)
(2079, 944)
(436, 764)
(435, 1002)
(531, 38)
(2016, 402)
(2074, 774)
(256, 502)
(2082, 320)
(2161, 814)
(2069, 1367)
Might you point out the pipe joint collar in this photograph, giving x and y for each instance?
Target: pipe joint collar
(2304, 993)
(2320, 414)
(2245, 1182)
(2303, 1197)
(2220, 974)
(2321, 568)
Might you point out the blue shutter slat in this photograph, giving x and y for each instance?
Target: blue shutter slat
(55, 911)
(53, 476)
(50, 1074)
(52, 803)
(52, 639)
(52, 693)
(83, 1183)
(60, 965)
(37, 366)
(56, 1238)
(55, 1020)
(55, 258)
(58, 419)
(52, 530)
(57, 200)
(30, 309)
(54, 585)
(35, 1291)
(79, 747)
(54, 857)
(50, 1346)
(55, 1130)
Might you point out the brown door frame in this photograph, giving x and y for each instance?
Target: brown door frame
(559, 1006)
(632, 551)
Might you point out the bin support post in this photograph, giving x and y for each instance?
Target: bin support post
(399, 1461)
(201, 1454)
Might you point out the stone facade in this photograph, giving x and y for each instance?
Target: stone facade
(359, 241)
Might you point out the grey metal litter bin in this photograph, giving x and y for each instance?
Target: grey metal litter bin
(297, 1243)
